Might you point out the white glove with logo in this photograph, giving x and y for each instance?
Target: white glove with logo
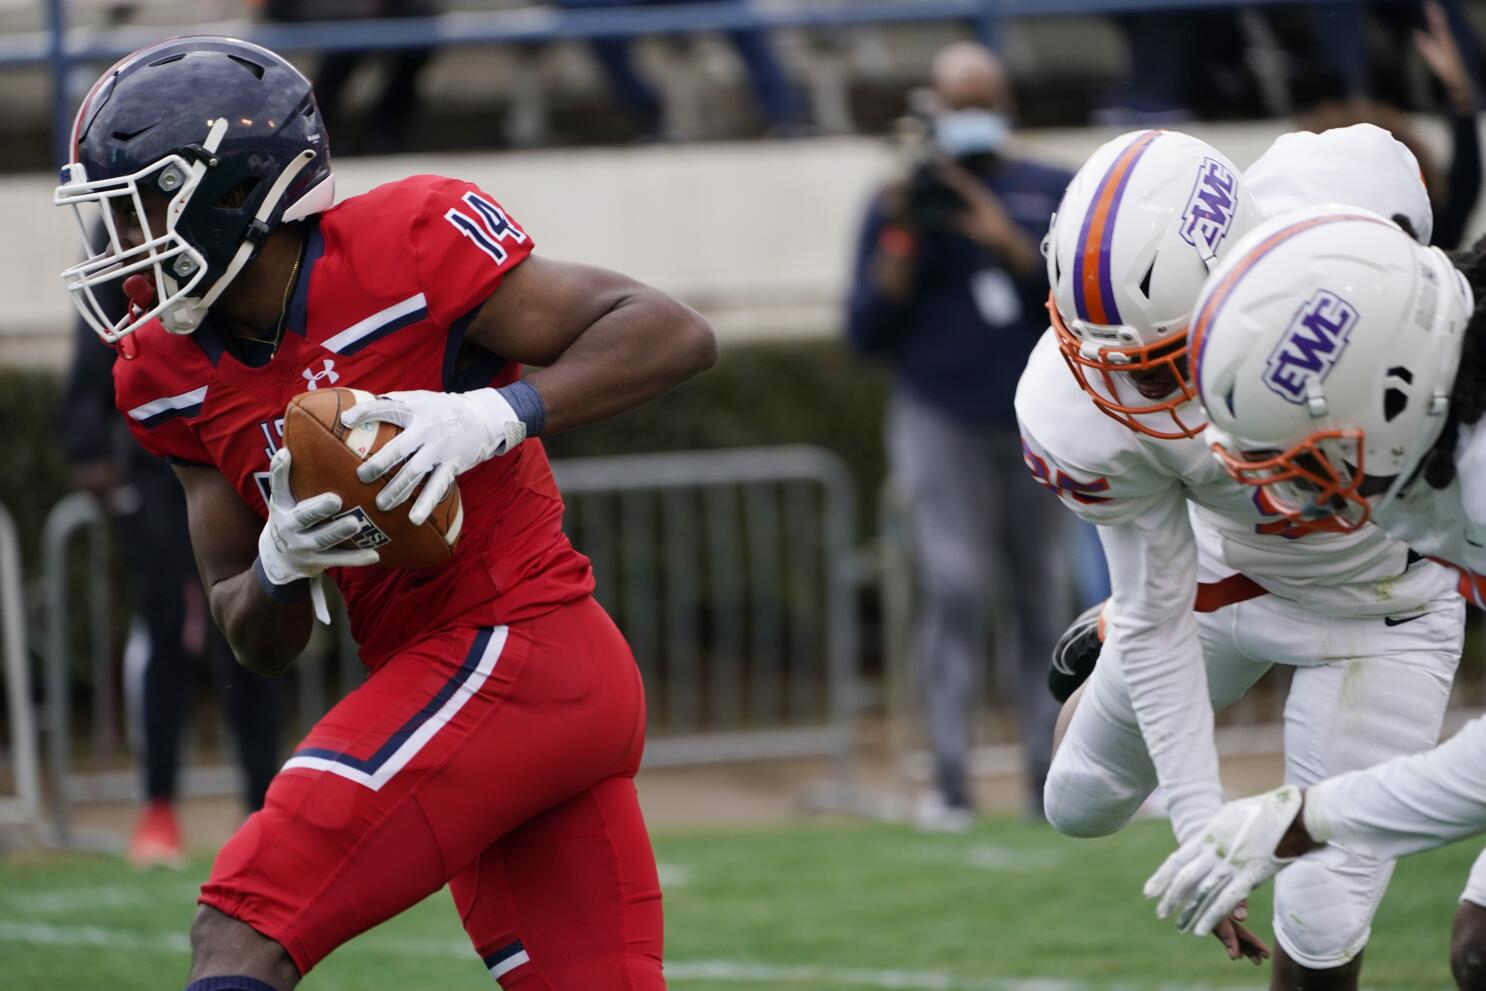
(297, 542)
(444, 434)
(1206, 878)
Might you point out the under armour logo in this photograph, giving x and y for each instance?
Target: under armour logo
(328, 372)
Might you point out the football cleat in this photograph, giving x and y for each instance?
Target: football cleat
(157, 838)
(932, 814)
(1076, 653)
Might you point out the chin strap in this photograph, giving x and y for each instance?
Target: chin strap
(317, 599)
(186, 316)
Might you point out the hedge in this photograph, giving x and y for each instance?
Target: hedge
(776, 393)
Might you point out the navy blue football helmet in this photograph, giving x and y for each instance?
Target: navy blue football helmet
(229, 134)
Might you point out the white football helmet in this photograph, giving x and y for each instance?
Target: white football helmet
(1138, 229)
(1324, 350)
(1363, 165)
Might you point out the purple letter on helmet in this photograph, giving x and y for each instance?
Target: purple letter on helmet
(1210, 208)
(1310, 346)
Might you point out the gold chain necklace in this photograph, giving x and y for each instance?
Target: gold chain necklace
(278, 331)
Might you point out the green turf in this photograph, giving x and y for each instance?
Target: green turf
(828, 908)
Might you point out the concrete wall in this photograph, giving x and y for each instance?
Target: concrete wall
(757, 235)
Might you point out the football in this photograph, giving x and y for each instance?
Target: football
(325, 455)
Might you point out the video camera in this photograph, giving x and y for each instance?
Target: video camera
(932, 135)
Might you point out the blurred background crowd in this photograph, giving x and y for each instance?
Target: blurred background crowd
(855, 195)
(1176, 62)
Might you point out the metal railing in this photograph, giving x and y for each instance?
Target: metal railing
(730, 572)
(74, 513)
(23, 809)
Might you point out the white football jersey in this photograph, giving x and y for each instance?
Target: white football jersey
(1109, 474)
(1448, 523)
(1101, 469)
(1170, 517)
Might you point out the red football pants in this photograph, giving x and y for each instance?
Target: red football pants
(499, 761)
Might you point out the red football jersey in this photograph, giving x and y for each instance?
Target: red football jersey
(389, 283)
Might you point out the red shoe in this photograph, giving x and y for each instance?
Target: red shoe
(157, 838)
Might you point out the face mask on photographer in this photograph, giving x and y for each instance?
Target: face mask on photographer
(970, 132)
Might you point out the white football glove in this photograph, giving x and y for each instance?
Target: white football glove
(1206, 878)
(297, 542)
(444, 434)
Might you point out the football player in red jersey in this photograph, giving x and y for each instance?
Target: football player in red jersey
(493, 745)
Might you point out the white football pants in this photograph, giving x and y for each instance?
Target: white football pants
(1365, 689)
(1475, 884)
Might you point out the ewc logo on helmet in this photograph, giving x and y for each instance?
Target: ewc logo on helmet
(1210, 208)
(1310, 346)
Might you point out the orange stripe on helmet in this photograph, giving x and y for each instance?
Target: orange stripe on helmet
(1093, 269)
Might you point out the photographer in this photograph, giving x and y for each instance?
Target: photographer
(949, 286)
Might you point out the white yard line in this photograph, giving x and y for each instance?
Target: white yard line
(895, 980)
(672, 876)
(721, 971)
(988, 857)
(64, 900)
(980, 857)
(47, 934)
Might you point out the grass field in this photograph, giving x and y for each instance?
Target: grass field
(830, 908)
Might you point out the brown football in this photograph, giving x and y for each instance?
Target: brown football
(325, 455)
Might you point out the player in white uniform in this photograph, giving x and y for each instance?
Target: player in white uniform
(1134, 238)
(1344, 368)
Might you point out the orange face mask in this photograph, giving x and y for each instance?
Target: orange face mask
(1315, 485)
(1163, 363)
